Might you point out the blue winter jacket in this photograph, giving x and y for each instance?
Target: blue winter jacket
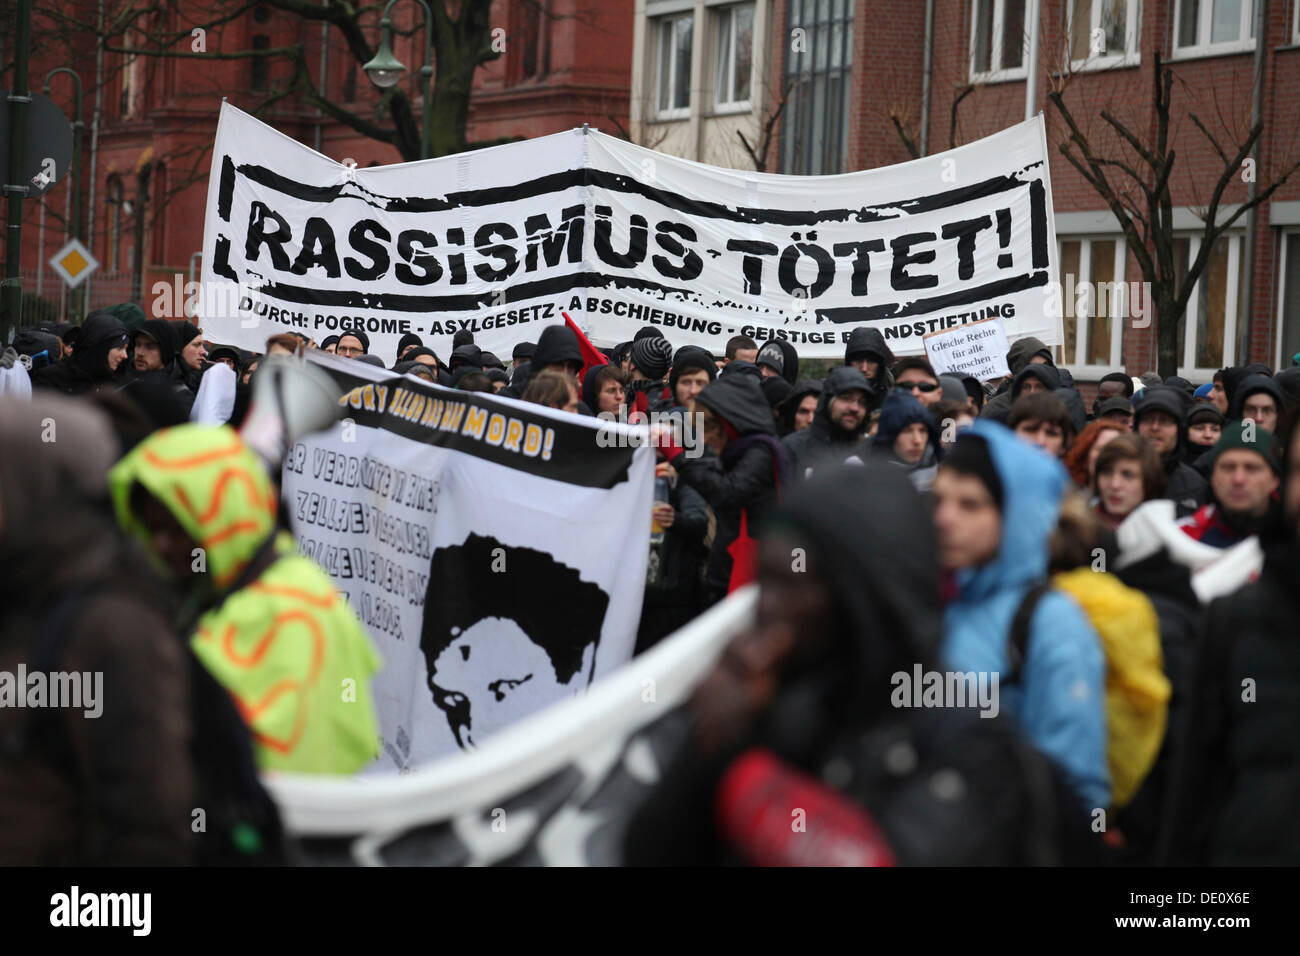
(1060, 698)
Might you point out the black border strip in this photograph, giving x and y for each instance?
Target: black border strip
(616, 182)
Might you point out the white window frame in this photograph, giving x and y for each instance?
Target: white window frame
(1295, 22)
(660, 30)
(998, 74)
(1119, 306)
(1129, 56)
(1203, 46)
(1283, 244)
(1200, 375)
(716, 19)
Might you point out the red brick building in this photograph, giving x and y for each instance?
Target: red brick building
(864, 85)
(564, 63)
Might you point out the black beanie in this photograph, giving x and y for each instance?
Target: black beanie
(186, 332)
(463, 337)
(690, 357)
(649, 332)
(970, 456)
(1203, 413)
(652, 355)
(358, 335)
(410, 338)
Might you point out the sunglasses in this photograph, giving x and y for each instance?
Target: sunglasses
(911, 386)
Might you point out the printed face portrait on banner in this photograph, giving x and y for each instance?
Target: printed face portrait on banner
(507, 630)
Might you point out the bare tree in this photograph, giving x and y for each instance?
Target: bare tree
(463, 39)
(1130, 164)
(761, 148)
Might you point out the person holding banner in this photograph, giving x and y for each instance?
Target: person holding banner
(741, 481)
(805, 712)
(265, 620)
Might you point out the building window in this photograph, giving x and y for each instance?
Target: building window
(814, 130)
(1207, 27)
(260, 65)
(1207, 336)
(131, 75)
(734, 60)
(998, 40)
(676, 34)
(1104, 33)
(1288, 331)
(1094, 303)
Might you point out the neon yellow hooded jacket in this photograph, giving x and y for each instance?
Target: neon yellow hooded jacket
(286, 646)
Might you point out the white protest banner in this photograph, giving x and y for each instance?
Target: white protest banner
(495, 550)
(555, 789)
(978, 349)
(498, 241)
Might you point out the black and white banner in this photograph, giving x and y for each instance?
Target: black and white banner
(500, 241)
(495, 550)
(556, 789)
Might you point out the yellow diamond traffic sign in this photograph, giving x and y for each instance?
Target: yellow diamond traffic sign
(74, 263)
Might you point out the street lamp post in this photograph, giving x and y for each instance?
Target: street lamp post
(385, 69)
(19, 98)
(74, 227)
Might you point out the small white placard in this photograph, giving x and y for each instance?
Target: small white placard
(978, 349)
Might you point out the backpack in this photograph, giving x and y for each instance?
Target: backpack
(1137, 690)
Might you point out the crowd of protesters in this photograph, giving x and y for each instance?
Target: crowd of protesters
(1129, 575)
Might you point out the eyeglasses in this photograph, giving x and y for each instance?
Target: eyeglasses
(349, 350)
(926, 387)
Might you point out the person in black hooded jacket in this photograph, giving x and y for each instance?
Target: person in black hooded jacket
(1258, 397)
(1237, 783)
(1160, 416)
(789, 421)
(838, 425)
(98, 361)
(190, 354)
(465, 356)
(1023, 352)
(742, 480)
(867, 352)
(151, 382)
(557, 350)
(803, 711)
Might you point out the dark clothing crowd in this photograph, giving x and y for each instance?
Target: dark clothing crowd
(995, 622)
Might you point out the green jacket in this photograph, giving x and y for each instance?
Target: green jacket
(286, 645)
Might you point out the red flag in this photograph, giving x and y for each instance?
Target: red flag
(591, 356)
(744, 556)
